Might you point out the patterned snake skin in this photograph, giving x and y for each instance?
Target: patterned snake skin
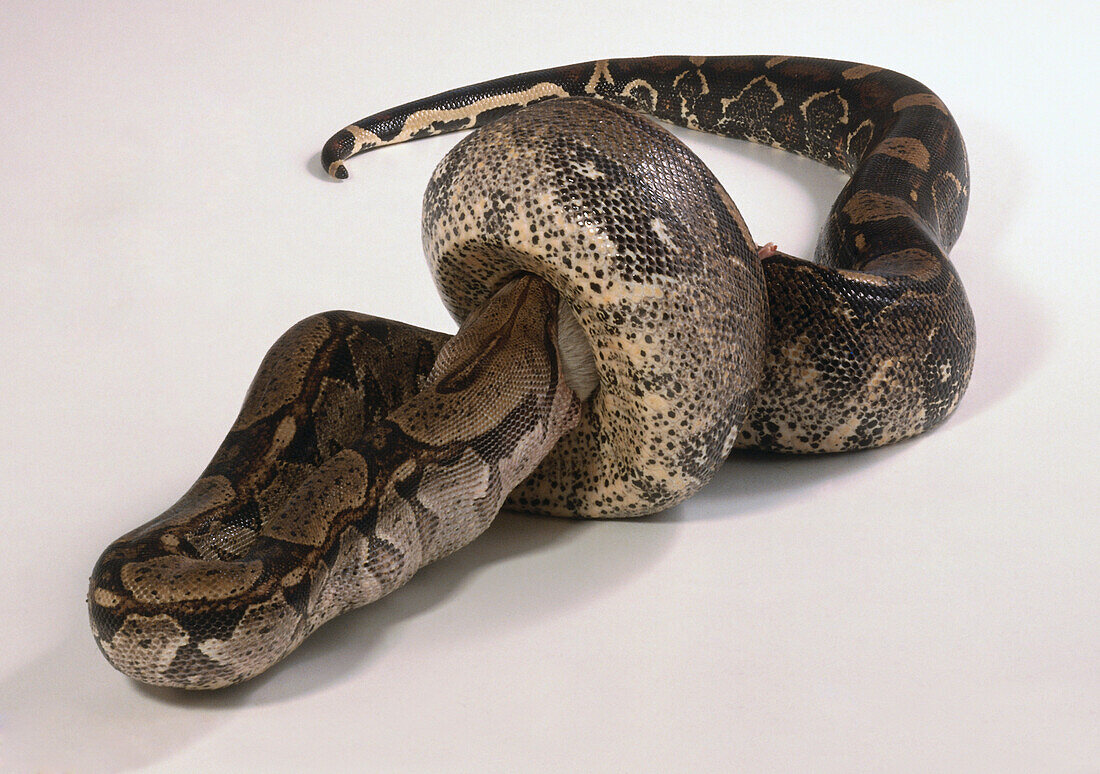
(620, 333)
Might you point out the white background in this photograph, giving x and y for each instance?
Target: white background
(934, 606)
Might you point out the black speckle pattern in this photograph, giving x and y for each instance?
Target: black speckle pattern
(654, 259)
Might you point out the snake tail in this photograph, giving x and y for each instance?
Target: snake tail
(873, 340)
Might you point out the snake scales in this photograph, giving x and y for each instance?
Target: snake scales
(620, 334)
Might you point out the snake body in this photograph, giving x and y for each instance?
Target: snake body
(367, 448)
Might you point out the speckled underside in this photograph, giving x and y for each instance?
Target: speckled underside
(650, 253)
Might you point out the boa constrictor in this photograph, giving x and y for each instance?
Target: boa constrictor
(620, 334)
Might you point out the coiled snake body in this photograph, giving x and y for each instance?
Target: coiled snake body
(621, 332)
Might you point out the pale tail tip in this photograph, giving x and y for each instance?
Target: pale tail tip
(339, 147)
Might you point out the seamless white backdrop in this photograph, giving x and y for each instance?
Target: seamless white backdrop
(933, 606)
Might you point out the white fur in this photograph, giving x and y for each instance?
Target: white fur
(577, 359)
